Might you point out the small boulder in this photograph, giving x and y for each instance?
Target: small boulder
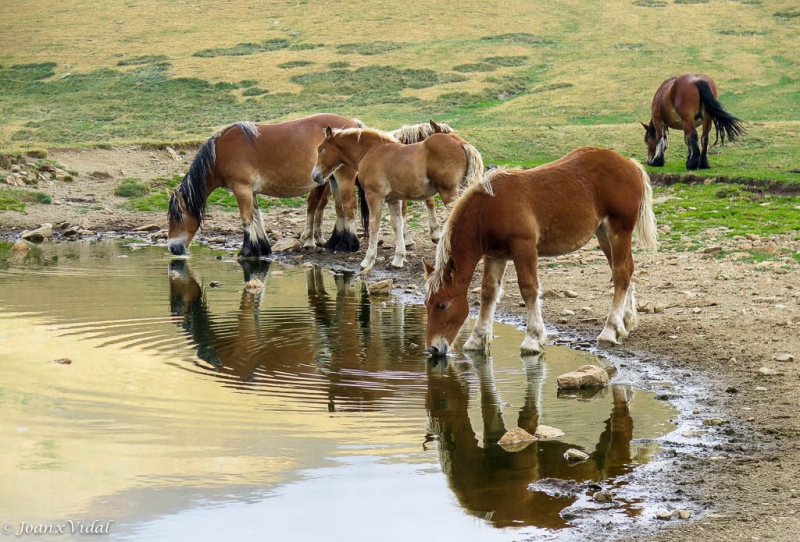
(253, 286)
(664, 515)
(516, 440)
(174, 155)
(20, 246)
(383, 287)
(148, 227)
(552, 294)
(784, 358)
(39, 234)
(682, 514)
(545, 431)
(287, 244)
(575, 455)
(570, 294)
(603, 497)
(588, 376)
(62, 361)
(215, 284)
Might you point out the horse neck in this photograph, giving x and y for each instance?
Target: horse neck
(466, 245)
(354, 147)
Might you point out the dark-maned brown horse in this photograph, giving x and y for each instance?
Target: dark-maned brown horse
(389, 171)
(273, 160)
(685, 103)
(550, 210)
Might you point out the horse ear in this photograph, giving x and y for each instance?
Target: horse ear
(645, 126)
(328, 132)
(450, 270)
(429, 269)
(169, 193)
(435, 126)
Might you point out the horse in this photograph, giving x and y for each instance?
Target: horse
(520, 215)
(273, 160)
(389, 171)
(687, 102)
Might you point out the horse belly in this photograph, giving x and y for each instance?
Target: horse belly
(559, 239)
(281, 187)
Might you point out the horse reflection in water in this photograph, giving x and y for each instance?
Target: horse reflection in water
(492, 483)
(342, 347)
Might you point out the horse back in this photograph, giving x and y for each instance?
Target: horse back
(678, 98)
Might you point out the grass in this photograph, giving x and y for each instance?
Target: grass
(131, 188)
(15, 200)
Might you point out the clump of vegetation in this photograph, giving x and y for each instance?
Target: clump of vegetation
(142, 60)
(728, 191)
(787, 14)
(243, 49)
(368, 49)
(506, 61)
(131, 188)
(339, 65)
(294, 64)
(650, 4)
(15, 200)
(305, 46)
(520, 38)
(254, 91)
(475, 67)
(691, 1)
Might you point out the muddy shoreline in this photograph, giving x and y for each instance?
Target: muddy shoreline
(724, 324)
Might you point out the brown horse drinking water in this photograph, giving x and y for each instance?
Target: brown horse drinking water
(685, 103)
(551, 210)
(273, 160)
(389, 171)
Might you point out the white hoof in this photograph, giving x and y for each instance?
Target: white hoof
(367, 263)
(398, 263)
(410, 244)
(610, 336)
(530, 346)
(477, 344)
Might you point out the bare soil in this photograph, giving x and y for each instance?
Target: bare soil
(721, 324)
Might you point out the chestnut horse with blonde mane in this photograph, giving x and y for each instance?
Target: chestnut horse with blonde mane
(273, 160)
(684, 103)
(520, 215)
(389, 171)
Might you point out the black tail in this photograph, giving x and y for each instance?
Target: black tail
(725, 124)
(362, 200)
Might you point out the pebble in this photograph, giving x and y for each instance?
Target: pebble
(714, 421)
(254, 286)
(683, 514)
(215, 284)
(603, 497)
(784, 358)
(545, 431)
(766, 371)
(570, 294)
(575, 455)
(174, 274)
(62, 361)
(383, 287)
(588, 376)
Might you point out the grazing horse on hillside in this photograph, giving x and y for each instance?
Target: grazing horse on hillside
(273, 160)
(686, 102)
(389, 171)
(520, 215)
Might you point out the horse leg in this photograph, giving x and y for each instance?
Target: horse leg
(255, 242)
(315, 206)
(408, 240)
(621, 272)
(396, 215)
(525, 261)
(433, 222)
(630, 316)
(491, 288)
(690, 137)
(344, 237)
(375, 204)
(704, 142)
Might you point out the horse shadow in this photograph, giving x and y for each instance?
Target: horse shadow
(492, 483)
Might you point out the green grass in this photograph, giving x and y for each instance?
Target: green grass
(131, 188)
(243, 49)
(15, 200)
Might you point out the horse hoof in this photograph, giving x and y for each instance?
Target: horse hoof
(530, 346)
(398, 265)
(342, 242)
(608, 336)
(477, 345)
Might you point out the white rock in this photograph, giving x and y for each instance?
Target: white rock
(39, 234)
(545, 431)
(784, 358)
(383, 287)
(575, 455)
(254, 286)
(288, 244)
(588, 376)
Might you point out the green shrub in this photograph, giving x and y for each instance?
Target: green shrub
(131, 188)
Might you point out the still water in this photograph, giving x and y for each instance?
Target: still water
(305, 411)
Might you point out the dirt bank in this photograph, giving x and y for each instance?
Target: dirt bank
(721, 322)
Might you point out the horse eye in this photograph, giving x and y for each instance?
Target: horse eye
(319, 150)
(443, 306)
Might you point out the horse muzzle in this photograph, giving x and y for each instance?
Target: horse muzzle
(316, 175)
(177, 247)
(438, 347)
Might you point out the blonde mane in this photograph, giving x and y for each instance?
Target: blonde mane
(415, 133)
(443, 249)
(371, 132)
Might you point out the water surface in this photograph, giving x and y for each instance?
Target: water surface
(304, 411)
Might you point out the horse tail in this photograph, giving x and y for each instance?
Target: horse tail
(645, 229)
(474, 174)
(194, 186)
(725, 124)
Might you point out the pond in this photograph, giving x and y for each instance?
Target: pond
(132, 391)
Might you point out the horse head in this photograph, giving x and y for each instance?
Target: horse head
(655, 147)
(447, 308)
(328, 158)
(183, 225)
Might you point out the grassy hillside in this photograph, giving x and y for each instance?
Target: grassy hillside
(525, 81)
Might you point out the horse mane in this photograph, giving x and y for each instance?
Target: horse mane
(415, 133)
(443, 248)
(384, 137)
(193, 185)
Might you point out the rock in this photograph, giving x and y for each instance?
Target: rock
(646, 307)
(603, 496)
(516, 435)
(575, 455)
(476, 290)
(288, 244)
(254, 286)
(12, 179)
(39, 234)
(664, 515)
(383, 287)
(545, 431)
(713, 422)
(682, 514)
(784, 358)
(175, 156)
(219, 239)
(711, 249)
(20, 246)
(568, 312)
(588, 376)
(766, 371)
(659, 308)
(570, 294)
(552, 294)
(731, 389)
(174, 275)
(62, 361)
(148, 227)
(156, 236)
(556, 487)
(215, 284)
(365, 272)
